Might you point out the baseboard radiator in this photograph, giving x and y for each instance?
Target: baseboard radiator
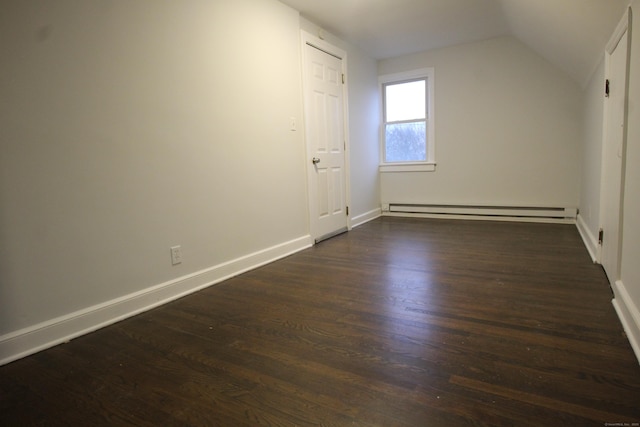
(512, 213)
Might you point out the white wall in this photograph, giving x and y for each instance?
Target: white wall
(363, 112)
(129, 127)
(627, 290)
(508, 129)
(593, 110)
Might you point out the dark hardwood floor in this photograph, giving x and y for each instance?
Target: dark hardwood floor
(401, 322)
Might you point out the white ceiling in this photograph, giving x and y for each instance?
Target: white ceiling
(571, 34)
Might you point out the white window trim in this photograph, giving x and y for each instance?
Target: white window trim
(430, 164)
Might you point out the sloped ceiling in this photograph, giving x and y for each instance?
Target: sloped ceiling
(571, 34)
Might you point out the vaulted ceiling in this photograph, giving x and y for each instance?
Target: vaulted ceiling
(572, 34)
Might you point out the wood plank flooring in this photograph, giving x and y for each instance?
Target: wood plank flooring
(400, 322)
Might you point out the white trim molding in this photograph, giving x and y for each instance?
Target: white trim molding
(407, 167)
(62, 329)
(358, 220)
(588, 238)
(621, 28)
(629, 315)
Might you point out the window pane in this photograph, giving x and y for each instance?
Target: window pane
(406, 142)
(405, 101)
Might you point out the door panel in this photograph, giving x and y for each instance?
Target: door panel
(319, 131)
(323, 193)
(334, 113)
(613, 151)
(324, 113)
(338, 196)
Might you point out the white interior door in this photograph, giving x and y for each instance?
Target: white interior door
(613, 154)
(325, 134)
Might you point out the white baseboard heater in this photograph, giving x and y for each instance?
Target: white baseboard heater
(509, 213)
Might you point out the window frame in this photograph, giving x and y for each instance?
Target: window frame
(429, 164)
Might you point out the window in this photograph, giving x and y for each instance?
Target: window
(407, 121)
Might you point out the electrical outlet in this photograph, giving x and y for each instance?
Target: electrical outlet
(176, 255)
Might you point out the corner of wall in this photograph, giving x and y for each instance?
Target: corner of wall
(357, 221)
(588, 238)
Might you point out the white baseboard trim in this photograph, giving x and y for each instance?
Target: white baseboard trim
(33, 339)
(588, 238)
(366, 217)
(629, 315)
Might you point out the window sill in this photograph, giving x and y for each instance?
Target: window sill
(407, 167)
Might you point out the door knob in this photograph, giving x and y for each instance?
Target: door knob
(315, 161)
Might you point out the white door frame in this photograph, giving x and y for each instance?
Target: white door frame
(311, 40)
(622, 30)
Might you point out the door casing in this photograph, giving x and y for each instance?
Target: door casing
(614, 150)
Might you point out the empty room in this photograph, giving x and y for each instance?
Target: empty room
(320, 213)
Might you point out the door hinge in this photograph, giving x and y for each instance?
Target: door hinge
(607, 88)
(343, 78)
(347, 210)
(600, 236)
